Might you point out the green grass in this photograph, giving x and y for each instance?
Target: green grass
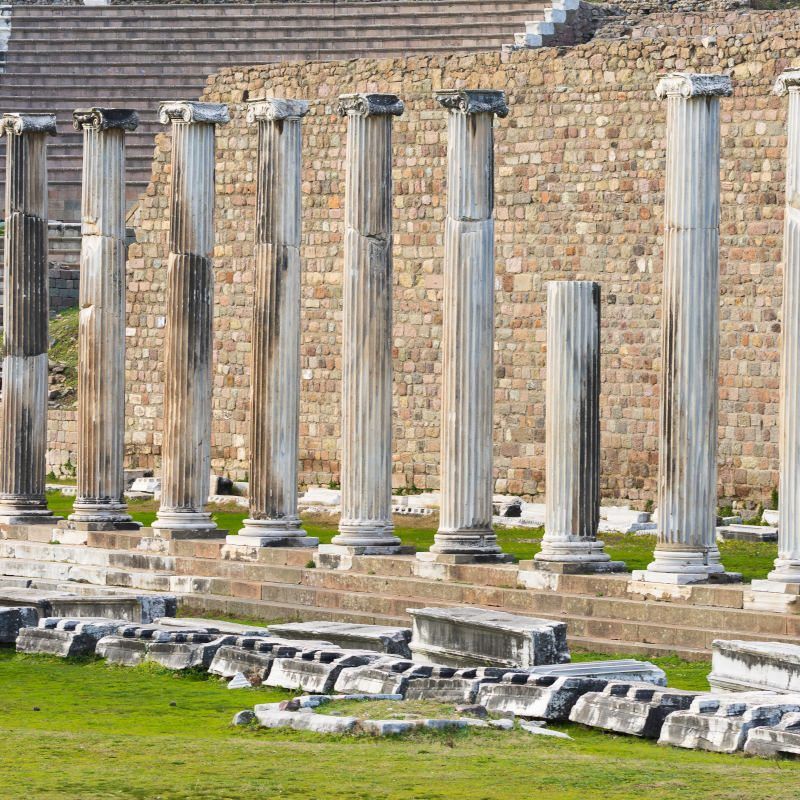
(146, 734)
(753, 560)
(64, 351)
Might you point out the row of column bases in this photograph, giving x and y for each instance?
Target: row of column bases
(686, 551)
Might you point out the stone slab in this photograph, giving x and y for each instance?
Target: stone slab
(381, 638)
(451, 685)
(537, 696)
(212, 625)
(624, 669)
(747, 533)
(65, 644)
(122, 651)
(744, 666)
(13, 619)
(776, 741)
(388, 675)
(636, 709)
(195, 653)
(466, 636)
(315, 671)
(722, 725)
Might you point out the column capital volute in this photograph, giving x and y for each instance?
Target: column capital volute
(474, 101)
(693, 84)
(192, 111)
(274, 108)
(28, 123)
(786, 82)
(101, 119)
(370, 105)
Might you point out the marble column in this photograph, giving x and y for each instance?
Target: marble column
(101, 335)
(186, 452)
(572, 431)
(686, 550)
(785, 577)
(23, 425)
(275, 376)
(465, 530)
(366, 460)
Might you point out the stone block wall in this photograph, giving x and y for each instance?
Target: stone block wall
(580, 175)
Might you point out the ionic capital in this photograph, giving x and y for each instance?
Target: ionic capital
(370, 105)
(192, 111)
(28, 123)
(690, 84)
(788, 81)
(102, 119)
(274, 108)
(474, 101)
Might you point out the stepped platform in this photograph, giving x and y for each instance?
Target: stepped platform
(604, 613)
(64, 57)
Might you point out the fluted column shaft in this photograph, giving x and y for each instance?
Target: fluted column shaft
(23, 427)
(572, 428)
(275, 387)
(465, 528)
(186, 454)
(787, 564)
(101, 336)
(366, 460)
(686, 549)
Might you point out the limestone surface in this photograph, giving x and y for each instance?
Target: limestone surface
(315, 670)
(777, 741)
(742, 666)
(381, 638)
(387, 675)
(613, 670)
(13, 619)
(537, 696)
(197, 650)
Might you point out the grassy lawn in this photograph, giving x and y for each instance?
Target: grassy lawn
(752, 560)
(83, 729)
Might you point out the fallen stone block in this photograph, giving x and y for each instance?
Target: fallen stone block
(739, 666)
(323, 723)
(466, 636)
(381, 638)
(385, 676)
(451, 685)
(270, 717)
(537, 730)
(388, 727)
(54, 642)
(252, 662)
(316, 670)
(637, 709)
(212, 625)
(624, 669)
(721, 724)
(244, 717)
(13, 619)
(196, 651)
(537, 696)
(776, 741)
(121, 650)
(747, 533)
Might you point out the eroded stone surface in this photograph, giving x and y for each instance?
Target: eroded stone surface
(742, 666)
(13, 619)
(613, 670)
(386, 675)
(196, 651)
(777, 741)
(314, 670)
(381, 638)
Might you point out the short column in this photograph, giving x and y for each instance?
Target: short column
(186, 453)
(366, 461)
(101, 336)
(23, 425)
(465, 531)
(781, 590)
(572, 430)
(275, 377)
(686, 550)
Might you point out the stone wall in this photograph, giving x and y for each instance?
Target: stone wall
(580, 173)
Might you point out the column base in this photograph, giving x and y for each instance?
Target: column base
(774, 594)
(25, 511)
(338, 556)
(180, 524)
(284, 532)
(371, 534)
(682, 567)
(101, 517)
(574, 558)
(466, 547)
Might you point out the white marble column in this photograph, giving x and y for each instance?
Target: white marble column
(465, 529)
(785, 577)
(366, 460)
(275, 377)
(23, 425)
(186, 453)
(572, 431)
(686, 550)
(101, 336)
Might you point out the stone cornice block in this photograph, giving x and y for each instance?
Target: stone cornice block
(28, 123)
(474, 101)
(370, 105)
(788, 81)
(274, 108)
(192, 111)
(690, 84)
(102, 119)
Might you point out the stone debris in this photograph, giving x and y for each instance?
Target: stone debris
(187, 651)
(747, 533)
(122, 651)
(636, 709)
(778, 741)
(386, 675)
(316, 669)
(466, 636)
(537, 696)
(65, 637)
(721, 724)
(212, 625)
(623, 669)
(537, 730)
(253, 655)
(245, 717)
(12, 619)
(742, 666)
(381, 638)
(239, 682)
(451, 685)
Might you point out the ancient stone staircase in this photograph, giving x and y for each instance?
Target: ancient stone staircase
(63, 57)
(601, 612)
